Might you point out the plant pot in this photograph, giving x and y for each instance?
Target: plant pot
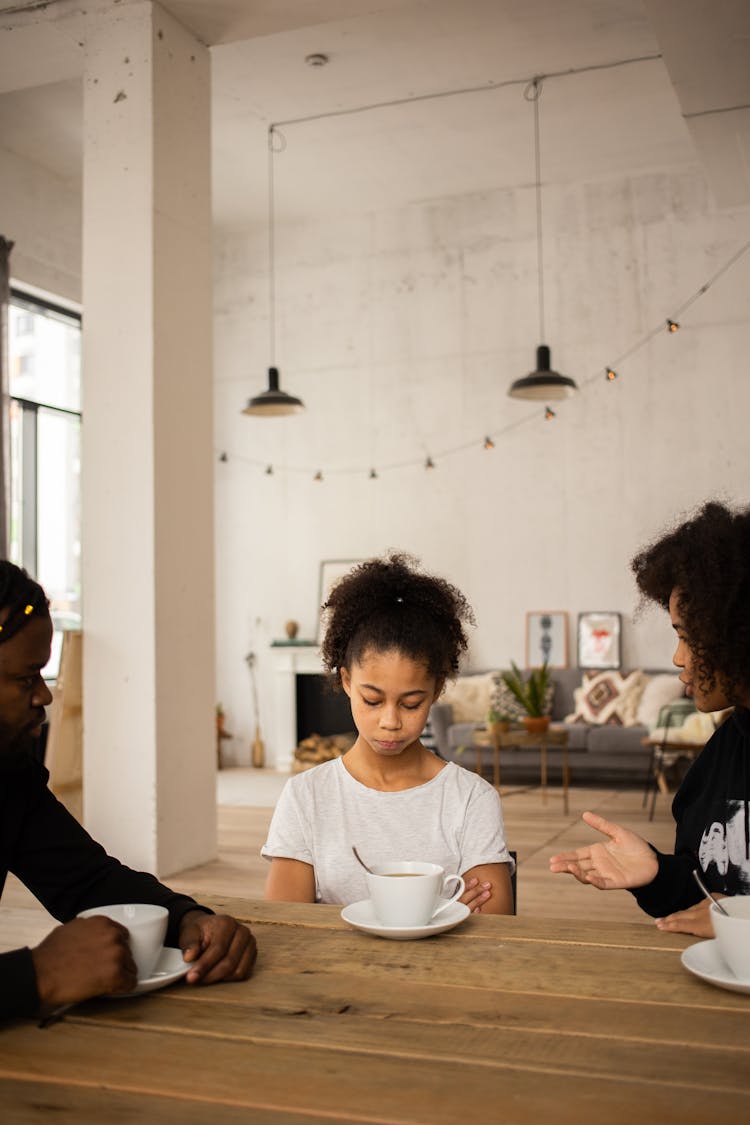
(501, 727)
(535, 724)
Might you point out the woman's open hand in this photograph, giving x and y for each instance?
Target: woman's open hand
(623, 862)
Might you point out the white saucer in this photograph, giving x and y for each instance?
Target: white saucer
(169, 968)
(362, 916)
(704, 960)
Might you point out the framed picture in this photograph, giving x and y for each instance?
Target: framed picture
(599, 640)
(547, 639)
(330, 572)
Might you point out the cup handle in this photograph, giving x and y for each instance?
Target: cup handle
(456, 894)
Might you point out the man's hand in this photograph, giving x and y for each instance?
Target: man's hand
(218, 947)
(625, 861)
(83, 958)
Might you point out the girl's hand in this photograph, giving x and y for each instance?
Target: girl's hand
(695, 920)
(625, 861)
(475, 893)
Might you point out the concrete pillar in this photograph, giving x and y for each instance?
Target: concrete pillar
(148, 531)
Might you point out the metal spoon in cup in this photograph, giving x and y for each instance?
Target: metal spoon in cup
(703, 887)
(360, 860)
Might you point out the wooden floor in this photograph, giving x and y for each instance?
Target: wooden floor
(533, 829)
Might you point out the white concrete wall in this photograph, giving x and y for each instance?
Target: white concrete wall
(41, 214)
(401, 332)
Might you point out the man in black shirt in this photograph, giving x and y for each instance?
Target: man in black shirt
(45, 847)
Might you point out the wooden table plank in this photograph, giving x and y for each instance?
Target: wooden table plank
(27, 1102)
(421, 1037)
(359, 1087)
(314, 994)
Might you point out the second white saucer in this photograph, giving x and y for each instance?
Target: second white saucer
(362, 916)
(704, 960)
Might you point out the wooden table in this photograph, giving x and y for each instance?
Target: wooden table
(521, 738)
(500, 1020)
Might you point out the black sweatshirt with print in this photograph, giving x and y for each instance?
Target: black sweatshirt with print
(713, 831)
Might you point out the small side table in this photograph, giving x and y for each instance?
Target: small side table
(520, 738)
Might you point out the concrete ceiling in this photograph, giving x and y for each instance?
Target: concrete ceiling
(687, 100)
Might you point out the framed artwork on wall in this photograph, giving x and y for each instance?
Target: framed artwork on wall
(330, 572)
(547, 639)
(599, 636)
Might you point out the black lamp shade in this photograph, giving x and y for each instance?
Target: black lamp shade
(544, 383)
(273, 401)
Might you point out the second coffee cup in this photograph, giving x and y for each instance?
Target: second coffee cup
(409, 893)
(146, 925)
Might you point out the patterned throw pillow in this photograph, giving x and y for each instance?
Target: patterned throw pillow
(608, 698)
(505, 702)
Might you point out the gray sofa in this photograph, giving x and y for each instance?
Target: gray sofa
(597, 755)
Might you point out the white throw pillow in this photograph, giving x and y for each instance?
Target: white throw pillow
(659, 690)
(469, 696)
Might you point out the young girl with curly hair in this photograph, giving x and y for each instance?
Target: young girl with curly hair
(393, 636)
(700, 573)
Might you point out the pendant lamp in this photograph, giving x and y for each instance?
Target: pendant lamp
(543, 382)
(273, 401)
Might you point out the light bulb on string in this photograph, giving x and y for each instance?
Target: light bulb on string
(549, 414)
(429, 463)
(611, 374)
(488, 443)
(318, 475)
(373, 474)
(269, 470)
(672, 325)
(223, 457)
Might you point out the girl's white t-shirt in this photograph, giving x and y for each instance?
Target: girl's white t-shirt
(455, 820)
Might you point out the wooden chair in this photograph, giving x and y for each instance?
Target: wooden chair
(64, 753)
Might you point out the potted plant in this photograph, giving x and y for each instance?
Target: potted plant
(531, 694)
(497, 721)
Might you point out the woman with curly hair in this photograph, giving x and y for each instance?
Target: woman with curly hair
(393, 636)
(700, 573)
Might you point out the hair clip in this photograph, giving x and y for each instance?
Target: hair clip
(29, 609)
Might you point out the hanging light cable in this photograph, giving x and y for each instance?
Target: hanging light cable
(274, 401)
(543, 382)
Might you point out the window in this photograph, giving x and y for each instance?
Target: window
(45, 451)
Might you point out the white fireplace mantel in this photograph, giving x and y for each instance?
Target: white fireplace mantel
(289, 661)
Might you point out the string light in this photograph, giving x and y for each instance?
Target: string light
(549, 414)
(269, 470)
(489, 443)
(318, 475)
(611, 374)
(373, 474)
(223, 457)
(672, 326)
(429, 463)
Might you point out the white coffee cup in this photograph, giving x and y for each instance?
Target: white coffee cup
(146, 925)
(408, 893)
(733, 934)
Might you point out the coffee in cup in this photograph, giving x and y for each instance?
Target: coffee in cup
(733, 933)
(408, 893)
(146, 925)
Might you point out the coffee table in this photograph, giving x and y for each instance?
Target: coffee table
(520, 738)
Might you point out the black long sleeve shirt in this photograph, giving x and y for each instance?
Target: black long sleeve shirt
(49, 851)
(713, 830)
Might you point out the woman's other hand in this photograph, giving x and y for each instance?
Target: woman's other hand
(625, 861)
(695, 920)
